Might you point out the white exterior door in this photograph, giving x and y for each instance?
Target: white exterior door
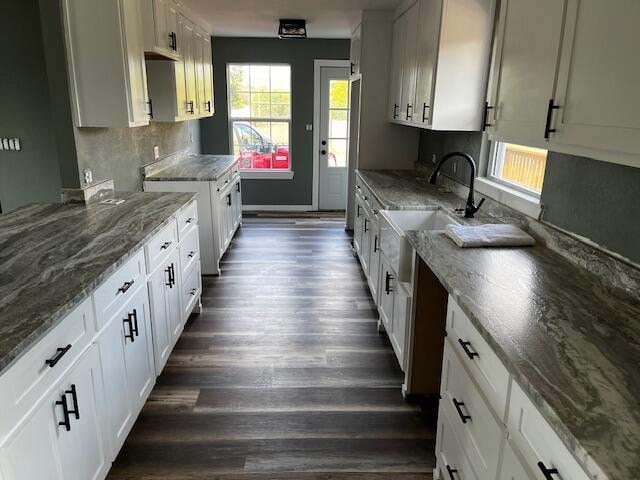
(334, 138)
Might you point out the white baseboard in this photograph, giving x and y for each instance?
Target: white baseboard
(277, 208)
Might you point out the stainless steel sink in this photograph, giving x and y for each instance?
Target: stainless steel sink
(393, 227)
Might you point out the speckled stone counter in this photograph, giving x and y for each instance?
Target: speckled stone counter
(194, 168)
(52, 256)
(569, 338)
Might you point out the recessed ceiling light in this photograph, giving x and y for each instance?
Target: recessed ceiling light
(292, 28)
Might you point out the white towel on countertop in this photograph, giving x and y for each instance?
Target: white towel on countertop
(491, 235)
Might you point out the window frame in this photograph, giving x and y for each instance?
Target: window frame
(261, 173)
(494, 159)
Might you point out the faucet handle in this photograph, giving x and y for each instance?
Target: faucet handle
(472, 209)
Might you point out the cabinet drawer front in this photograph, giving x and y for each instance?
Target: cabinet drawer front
(113, 293)
(536, 440)
(451, 460)
(479, 358)
(189, 250)
(477, 428)
(191, 290)
(187, 219)
(161, 245)
(24, 383)
(513, 467)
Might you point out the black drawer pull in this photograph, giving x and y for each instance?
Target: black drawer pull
(172, 276)
(459, 404)
(387, 282)
(395, 110)
(485, 123)
(451, 471)
(228, 199)
(366, 221)
(126, 286)
(465, 346)
(193, 292)
(61, 351)
(238, 187)
(189, 220)
(547, 128)
(130, 335)
(375, 243)
(547, 472)
(409, 107)
(358, 212)
(424, 112)
(134, 316)
(74, 396)
(66, 423)
(165, 245)
(191, 254)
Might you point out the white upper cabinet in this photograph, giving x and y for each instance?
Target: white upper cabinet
(160, 22)
(426, 57)
(524, 70)
(356, 50)
(107, 76)
(597, 89)
(446, 46)
(395, 80)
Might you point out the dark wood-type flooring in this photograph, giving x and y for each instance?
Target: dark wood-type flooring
(283, 375)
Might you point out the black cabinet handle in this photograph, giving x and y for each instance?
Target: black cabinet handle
(173, 45)
(395, 110)
(547, 128)
(358, 213)
(172, 275)
(74, 396)
(61, 351)
(208, 104)
(465, 346)
(451, 471)
(130, 335)
(190, 108)
(125, 286)
(352, 67)
(409, 107)
(134, 317)
(166, 245)
(191, 254)
(238, 187)
(458, 406)
(366, 220)
(424, 112)
(66, 423)
(485, 124)
(193, 292)
(150, 112)
(189, 220)
(387, 282)
(375, 243)
(228, 199)
(547, 472)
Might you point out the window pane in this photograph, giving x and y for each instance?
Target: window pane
(260, 104)
(262, 145)
(281, 78)
(259, 78)
(337, 156)
(239, 78)
(239, 104)
(523, 166)
(338, 93)
(338, 123)
(280, 105)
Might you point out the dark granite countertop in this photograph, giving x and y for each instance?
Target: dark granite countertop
(52, 257)
(568, 338)
(195, 168)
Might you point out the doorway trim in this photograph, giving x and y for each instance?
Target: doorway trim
(317, 65)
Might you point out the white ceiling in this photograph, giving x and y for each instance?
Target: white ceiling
(259, 18)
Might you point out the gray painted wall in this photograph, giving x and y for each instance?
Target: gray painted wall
(300, 54)
(119, 153)
(31, 175)
(590, 198)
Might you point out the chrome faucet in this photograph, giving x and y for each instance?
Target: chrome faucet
(471, 208)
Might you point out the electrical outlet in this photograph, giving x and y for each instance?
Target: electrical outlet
(88, 176)
(309, 127)
(156, 152)
(10, 144)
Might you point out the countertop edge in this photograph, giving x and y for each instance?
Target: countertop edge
(9, 359)
(155, 178)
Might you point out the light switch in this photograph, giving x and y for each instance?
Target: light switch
(309, 127)
(156, 152)
(88, 176)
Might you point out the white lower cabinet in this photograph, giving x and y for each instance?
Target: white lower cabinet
(451, 461)
(394, 307)
(374, 260)
(62, 437)
(166, 313)
(512, 467)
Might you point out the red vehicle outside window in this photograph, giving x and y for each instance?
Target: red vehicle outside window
(258, 151)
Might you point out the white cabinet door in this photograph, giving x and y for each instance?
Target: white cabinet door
(597, 89)
(399, 323)
(208, 77)
(237, 204)
(397, 57)
(366, 241)
(512, 467)
(357, 226)
(34, 440)
(80, 442)
(409, 63)
(374, 261)
(160, 323)
(356, 50)
(426, 57)
(138, 349)
(198, 53)
(189, 58)
(173, 289)
(524, 69)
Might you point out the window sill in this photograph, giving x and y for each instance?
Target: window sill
(520, 201)
(266, 174)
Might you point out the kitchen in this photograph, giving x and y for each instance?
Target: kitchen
(236, 240)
